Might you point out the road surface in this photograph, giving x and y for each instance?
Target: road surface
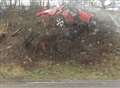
(62, 84)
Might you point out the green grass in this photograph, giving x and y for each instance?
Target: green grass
(72, 72)
(107, 70)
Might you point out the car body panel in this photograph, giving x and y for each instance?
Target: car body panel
(68, 15)
(85, 17)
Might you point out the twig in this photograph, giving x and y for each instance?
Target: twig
(5, 48)
(16, 32)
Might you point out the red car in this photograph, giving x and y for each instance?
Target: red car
(72, 16)
(69, 14)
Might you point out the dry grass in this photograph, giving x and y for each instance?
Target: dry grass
(109, 69)
(11, 71)
(3, 28)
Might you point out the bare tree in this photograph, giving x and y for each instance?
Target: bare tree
(3, 3)
(19, 3)
(103, 3)
(10, 3)
(48, 4)
(40, 3)
(34, 3)
(15, 3)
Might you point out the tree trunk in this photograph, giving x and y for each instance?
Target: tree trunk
(10, 3)
(48, 4)
(19, 3)
(103, 3)
(15, 3)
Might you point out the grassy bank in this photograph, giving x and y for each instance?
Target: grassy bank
(107, 70)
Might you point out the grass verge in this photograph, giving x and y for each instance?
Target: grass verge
(107, 70)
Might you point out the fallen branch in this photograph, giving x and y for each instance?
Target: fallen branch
(16, 32)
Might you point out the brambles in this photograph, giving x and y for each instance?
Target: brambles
(29, 42)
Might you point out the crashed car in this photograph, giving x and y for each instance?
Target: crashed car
(69, 21)
(67, 16)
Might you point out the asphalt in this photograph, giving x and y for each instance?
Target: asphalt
(62, 84)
